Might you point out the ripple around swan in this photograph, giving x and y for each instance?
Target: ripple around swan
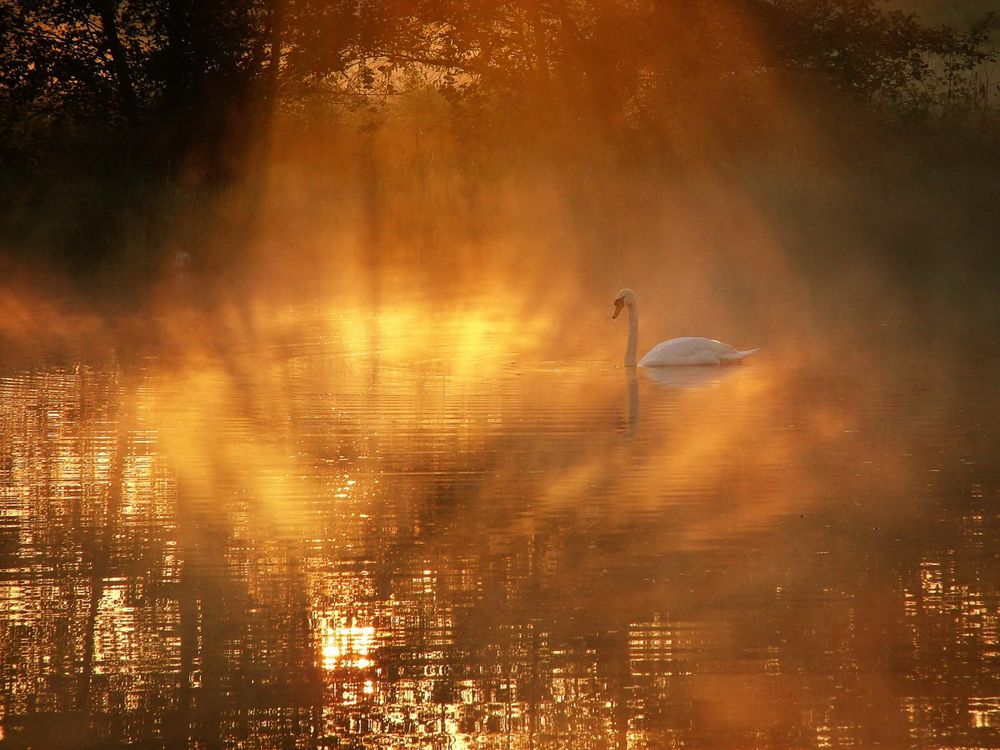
(695, 376)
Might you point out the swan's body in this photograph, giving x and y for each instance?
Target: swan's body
(691, 350)
(687, 350)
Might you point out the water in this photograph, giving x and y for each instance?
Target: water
(374, 531)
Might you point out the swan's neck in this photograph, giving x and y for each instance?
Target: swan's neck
(633, 335)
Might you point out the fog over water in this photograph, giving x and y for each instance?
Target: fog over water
(314, 426)
(417, 528)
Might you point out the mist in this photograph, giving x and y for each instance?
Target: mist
(314, 423)
(732, 183)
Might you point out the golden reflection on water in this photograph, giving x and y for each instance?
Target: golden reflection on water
(415, 528)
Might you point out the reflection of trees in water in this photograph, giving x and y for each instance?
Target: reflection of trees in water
(498, 604)
(101, 549)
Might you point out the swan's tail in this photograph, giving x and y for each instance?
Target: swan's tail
(736, 357)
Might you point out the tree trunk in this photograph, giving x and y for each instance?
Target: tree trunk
(119, 60)
(277, 13)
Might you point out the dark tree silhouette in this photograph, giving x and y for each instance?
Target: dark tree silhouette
(164, 88)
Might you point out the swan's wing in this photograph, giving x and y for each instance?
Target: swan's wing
(722, 348)
(688, 350)
(689, 346)
(738, 356)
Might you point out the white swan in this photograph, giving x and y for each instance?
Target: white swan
(687, 350)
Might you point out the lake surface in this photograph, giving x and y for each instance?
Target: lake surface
(394, 531)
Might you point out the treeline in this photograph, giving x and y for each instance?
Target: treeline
(125, 95)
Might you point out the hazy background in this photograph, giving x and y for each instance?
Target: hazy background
(940, 11)
(311, 392)
(756, 170)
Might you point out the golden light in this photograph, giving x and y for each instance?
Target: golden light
(345, 645)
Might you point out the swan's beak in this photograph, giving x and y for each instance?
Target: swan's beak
(619, 304)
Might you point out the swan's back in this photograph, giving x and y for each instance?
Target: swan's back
(692, 350)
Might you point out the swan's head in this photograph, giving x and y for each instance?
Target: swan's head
(625, 298)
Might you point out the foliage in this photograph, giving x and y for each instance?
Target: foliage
(147, 61)
(183, 87)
